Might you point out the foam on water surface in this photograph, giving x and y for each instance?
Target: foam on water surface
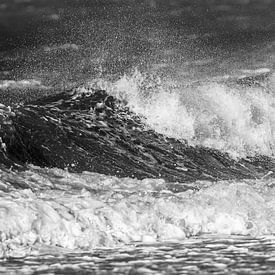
(21, 84)
(80, 212)
(207, 254)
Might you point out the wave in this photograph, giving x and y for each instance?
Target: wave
(90, 130)
(59, 210)
(88, 168)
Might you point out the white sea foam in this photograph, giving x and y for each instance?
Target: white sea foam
(257, 71)
(110, 211)
(238, 120)
(17, 84)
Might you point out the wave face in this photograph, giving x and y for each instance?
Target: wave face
(88, 130)
(78, 212)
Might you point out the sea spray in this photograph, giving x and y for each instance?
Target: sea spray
(239, 120)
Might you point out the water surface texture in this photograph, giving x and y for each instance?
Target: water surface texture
(137, 137)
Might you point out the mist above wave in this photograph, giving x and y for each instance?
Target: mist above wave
(238, 119)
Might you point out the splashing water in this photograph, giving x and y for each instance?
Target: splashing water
(236, 119)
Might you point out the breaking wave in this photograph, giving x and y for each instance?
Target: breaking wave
(237, 117)
(143, 162)
(90, 130)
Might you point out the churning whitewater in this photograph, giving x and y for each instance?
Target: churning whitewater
(90, 210)
(133, 160)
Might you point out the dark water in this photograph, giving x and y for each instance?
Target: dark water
(137, 137)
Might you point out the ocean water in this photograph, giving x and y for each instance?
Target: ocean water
(137, 137)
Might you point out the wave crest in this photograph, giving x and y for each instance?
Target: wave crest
(238, 119)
